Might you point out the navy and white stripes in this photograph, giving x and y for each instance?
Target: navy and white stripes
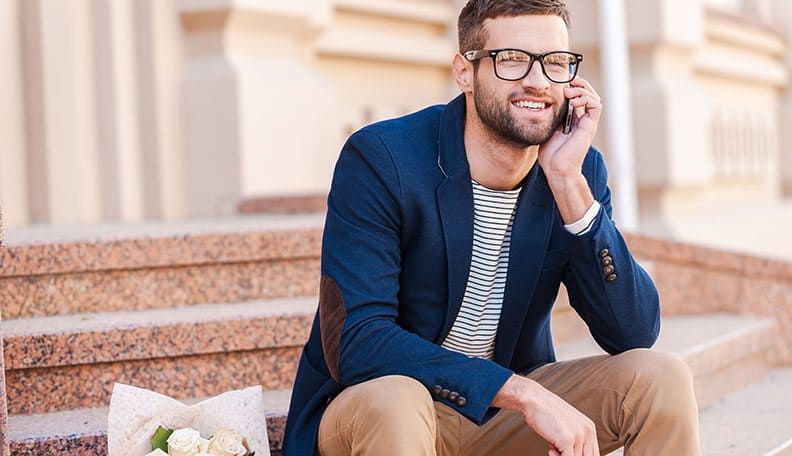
(474, 329)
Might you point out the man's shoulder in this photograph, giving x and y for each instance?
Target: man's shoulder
(408, 130)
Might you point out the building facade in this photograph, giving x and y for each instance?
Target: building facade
(165, 109)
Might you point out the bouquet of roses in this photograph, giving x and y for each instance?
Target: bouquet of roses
(144, 423)
(188, 442)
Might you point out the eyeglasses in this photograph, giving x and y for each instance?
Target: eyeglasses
(514, 64)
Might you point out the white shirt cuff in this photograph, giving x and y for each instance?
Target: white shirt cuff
(584, 225)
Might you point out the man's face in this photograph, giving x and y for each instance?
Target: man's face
(502, 106)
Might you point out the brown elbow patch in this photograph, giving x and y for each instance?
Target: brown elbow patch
(332, 316)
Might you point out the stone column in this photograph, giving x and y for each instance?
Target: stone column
(13, 180)
(119, 149)
(60, 111)
(159, 54)
(670, 109)
(252, 101)
(783, 12)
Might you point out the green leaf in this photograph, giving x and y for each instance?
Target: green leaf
(160, 439)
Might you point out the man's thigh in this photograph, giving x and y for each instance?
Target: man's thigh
(595, 385)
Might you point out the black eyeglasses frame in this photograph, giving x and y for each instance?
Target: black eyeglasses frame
(475, 55)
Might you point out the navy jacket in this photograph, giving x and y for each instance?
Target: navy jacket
(396, 254)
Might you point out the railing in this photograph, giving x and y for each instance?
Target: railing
(742, 144)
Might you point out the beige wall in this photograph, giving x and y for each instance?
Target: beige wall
(137, 109)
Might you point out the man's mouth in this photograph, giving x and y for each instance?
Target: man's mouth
(530, 105)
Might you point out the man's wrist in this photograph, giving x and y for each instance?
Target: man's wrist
(517, 394)
(572, 195)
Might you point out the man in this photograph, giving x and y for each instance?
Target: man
(448, 232)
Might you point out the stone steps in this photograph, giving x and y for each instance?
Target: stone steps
(71, 362)
(724, 351)
(754, 420)
(45, 273)
(701, 340)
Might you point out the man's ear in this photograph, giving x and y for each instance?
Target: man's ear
(463, 73)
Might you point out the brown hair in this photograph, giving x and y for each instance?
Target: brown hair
(472, 34)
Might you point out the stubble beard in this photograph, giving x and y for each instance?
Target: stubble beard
(502, 125)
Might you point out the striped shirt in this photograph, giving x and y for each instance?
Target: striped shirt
(476, 324)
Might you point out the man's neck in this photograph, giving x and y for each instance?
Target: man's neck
(495, 164)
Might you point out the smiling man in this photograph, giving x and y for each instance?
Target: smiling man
(448, 234)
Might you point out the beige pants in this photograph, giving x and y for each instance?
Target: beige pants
(641, 399)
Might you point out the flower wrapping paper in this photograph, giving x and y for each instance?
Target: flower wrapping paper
(135, 413)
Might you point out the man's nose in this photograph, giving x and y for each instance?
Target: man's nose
(535, 78)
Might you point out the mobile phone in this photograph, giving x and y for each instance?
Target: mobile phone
(568, 122)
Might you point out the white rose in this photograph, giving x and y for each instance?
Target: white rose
(227, 443)
(157, 452)
(184, 442)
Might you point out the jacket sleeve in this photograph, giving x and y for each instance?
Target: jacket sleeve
(608, 289)
(358, 303)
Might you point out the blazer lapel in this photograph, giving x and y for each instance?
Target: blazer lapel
(533, 225)
(455, 201)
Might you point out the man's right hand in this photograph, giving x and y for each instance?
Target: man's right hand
(569, 432)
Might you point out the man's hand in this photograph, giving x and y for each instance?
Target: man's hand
(561, 157)
(569, 432)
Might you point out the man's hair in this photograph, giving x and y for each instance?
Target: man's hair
(473, 36)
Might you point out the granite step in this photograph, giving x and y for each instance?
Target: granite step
(71, 362)
(754, 420)
(724, 351)
(159, 265)
(84, 431)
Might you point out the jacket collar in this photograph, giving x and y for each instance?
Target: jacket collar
(451, 157)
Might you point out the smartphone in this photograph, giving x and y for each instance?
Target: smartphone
(568, 122)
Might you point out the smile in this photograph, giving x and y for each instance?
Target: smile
(530, 105)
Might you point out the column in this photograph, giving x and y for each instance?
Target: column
(159, 54)
(670, 110)
(783, 12)
(252, 102)
(13, 181)
(119, 149)
(62, 173)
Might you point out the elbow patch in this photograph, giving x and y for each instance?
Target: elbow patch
(332, 316)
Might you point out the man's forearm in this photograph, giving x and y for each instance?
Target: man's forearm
(572, 195)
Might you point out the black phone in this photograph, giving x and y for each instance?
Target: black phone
(568, 120)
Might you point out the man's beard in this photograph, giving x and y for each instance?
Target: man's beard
(506, 128)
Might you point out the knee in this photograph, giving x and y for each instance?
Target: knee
(662, 373)
(396, 398)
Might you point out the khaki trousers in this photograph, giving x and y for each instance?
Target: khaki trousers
(641, 399)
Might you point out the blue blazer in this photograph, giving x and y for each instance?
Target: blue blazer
(396, 254)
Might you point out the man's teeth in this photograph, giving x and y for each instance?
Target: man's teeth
(530, 105)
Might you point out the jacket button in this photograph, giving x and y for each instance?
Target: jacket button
(604, 253)
(607, 261)
(453, 396)
(436, 389)
(461, 401)
(608, 269)
(611, 278)
(444, 394)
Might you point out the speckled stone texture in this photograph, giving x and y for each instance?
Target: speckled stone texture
(62, 277)
(96, 444)
(693, 279)
(126, 336)
(90, 385)
(3, 406)
(157, 288)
